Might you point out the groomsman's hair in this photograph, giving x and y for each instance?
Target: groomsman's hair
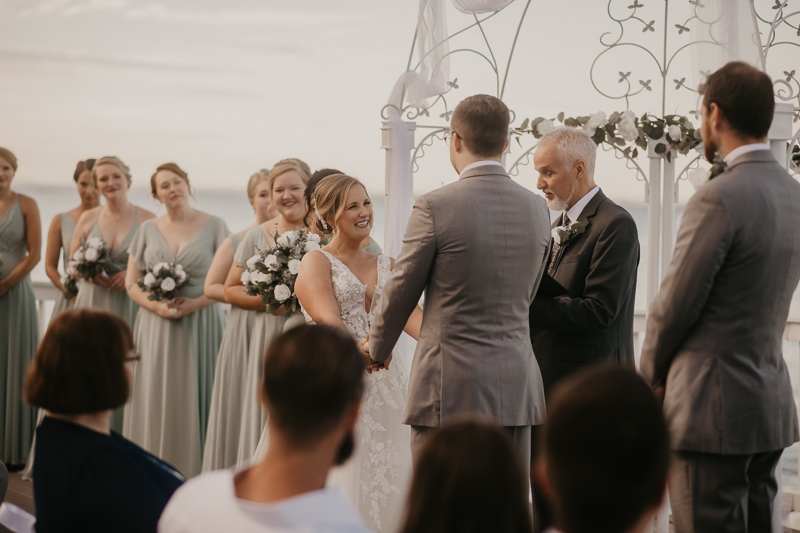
(745, 96)
(82, 167)
(8, 156)
(80, 364)
(311, 376)
(481, 121)
(468, 479)
(606, 450)
(573, 145)
(117, 162)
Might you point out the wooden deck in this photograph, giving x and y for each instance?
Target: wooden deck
(20, 493)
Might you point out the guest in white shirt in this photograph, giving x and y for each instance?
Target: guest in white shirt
(604, 453)
(312, 386)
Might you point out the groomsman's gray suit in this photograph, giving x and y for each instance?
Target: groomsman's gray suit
(714, 338)
(477, 247)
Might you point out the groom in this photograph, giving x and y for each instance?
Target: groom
(477, 248)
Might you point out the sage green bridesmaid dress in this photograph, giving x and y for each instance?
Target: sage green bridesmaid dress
(225, 417)
(167, 412)
(267, 326)
(19, 335)
(67, 229)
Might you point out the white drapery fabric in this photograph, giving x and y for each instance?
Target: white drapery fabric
(475, 7)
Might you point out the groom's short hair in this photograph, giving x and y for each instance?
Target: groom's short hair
(606, 450)
(745, 96)
(481, 121)
(311, 376)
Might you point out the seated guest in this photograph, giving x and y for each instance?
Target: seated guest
(88, 477)
(605, 453)
(311, 388)
(468, 478)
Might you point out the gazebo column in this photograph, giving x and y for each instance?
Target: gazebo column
(653, 223)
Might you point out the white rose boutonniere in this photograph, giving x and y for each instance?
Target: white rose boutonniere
(562, 236)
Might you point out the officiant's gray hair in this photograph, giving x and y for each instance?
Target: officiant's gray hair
(573, 144)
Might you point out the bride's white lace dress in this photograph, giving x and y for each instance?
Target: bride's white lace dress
(377, 476)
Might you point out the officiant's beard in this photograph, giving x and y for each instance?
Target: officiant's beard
(559, 204)
(345, 450)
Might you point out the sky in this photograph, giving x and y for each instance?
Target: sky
(225, 88)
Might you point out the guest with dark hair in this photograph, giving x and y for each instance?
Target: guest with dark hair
(468, 479)
(605, 452)
(88, 477)
(313, 379)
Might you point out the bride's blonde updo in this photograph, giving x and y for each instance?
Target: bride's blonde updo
(330, 197)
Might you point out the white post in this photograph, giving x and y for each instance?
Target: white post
(399, 186)
(668, 213)
(653, 223)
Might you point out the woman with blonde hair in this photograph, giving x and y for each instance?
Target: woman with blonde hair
(287, 183)
(225, 413)
(178, 339)
(341, 285)
(20, 250)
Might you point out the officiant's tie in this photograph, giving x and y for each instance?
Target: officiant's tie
(551, 269)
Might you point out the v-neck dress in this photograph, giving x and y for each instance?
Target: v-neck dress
(19, 335)
(67, 229)
(93, 296)
(266, 327)
(225, 416)
(167, 412)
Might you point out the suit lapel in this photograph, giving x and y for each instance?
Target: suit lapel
(585, 218)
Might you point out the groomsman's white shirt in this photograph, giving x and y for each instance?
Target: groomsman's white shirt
(575, 211)
(208, 503)
(744, 149)
(478, 164)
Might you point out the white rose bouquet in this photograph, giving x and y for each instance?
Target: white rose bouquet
(163, 281)
(272, 272)
(90, 258)
(70, 282)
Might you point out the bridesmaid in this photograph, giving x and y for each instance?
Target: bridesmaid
(20, 250)
(225, 418)
(369, 245)
(59, 237)
(287, 183)
(119, 220)
(178, 340)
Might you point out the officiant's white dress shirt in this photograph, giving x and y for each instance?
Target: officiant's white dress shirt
(208, 503)
(575, 211)
(744, 149)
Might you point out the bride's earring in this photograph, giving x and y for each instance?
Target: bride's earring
(324, 225)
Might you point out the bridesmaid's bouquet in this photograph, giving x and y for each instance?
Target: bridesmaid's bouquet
(163, 281)
(90, 258)
(271, 273)
(70, 283)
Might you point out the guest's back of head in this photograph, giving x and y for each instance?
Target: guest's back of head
(468, 479)
(606, 451)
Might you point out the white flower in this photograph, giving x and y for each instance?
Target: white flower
(282, 292)
(287, 239)
(245, 277)
(311, 246)
(178, 268)
(78, 257)
(627, 126)
(261, 277)
(167, 284)
(158, 266)
(251, 263)
(597, 120)
(181, 275)
(556, 236)
(91, 254)
(674, 133)
(545, 126)
(94, 242)
(313, 237)
(271, 262)
(294, 266)
(149, 279)
(699, 177)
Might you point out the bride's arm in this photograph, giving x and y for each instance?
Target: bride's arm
(414, 323)
(314, 290)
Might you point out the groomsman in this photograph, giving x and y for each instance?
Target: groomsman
(583, 312)
(714, 332)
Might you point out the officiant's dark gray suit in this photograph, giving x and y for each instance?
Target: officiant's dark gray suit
(477, 248)
(593, 322)
(714, 338)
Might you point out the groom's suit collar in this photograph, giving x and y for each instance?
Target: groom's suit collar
(758, 156)
(588, 212)
(484, 168)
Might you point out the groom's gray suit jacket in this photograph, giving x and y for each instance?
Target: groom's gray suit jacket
(715, 330)
(477, 247)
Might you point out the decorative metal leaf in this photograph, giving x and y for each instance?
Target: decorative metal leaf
(623, 76)
(696, 3)
(678, 83)
(646, 84)
(446, 115)
(681, 28)
(779, 4)
(649, 26)
(453, 84)
(635, 5)
(789, 75)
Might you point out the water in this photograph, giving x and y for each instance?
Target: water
(237, 213)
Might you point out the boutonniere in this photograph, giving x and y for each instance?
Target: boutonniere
(562, 236)
(718, 166)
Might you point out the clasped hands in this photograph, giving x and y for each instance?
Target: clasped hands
(114, 283)
(371, 364)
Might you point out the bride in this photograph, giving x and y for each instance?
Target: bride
(341, 285)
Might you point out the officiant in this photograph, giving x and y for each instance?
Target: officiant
(583, 311)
